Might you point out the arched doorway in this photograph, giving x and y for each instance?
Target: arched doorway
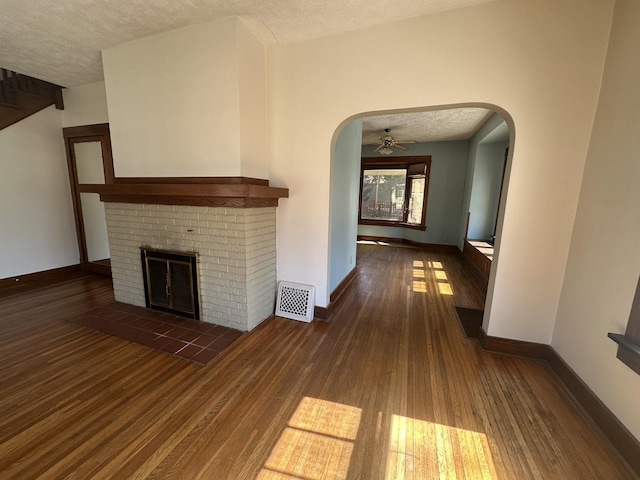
(467, 144)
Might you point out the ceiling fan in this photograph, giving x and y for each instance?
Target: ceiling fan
(386, 142)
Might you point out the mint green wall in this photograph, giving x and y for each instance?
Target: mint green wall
(485, 193)
(446, 193)
(495, 123)
(345, 187)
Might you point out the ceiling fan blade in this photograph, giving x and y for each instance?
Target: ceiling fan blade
(379, 147)
(406, 141)
(400, 147)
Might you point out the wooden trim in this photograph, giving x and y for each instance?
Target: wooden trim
(58, 98)
(478, 259)
(343, 285)
(509, 346)
(390, 161)
(404, 241)
(38, 277)
(98, 268)
(197, 194)
(624, 442)
(397, 162)
(386, 223)
(628, 351)
(629, 343)
(192, 180)
(322, 313)
(186, 190)
(86, 130)
(466, 228)
(230, 202)
(73, 136)
(75, 198)
(98, 132)
(629, 356)
(107, 156)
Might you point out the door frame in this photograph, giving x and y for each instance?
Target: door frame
(82, 134)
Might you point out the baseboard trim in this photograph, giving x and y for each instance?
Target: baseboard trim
(322, 313)
(343, 285)
(404, 241)
(508, 346)
(619, 436)
(37, 277)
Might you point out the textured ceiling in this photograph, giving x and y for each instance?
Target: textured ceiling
(432, 126)
(60, 40)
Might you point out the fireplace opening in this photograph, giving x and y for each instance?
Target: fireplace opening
(170, 282)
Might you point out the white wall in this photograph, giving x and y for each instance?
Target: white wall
(254, 156)
(443, 59)
(38, 231)
(345, 189)
(444, 199)
(175, 107)
(85, 105)
(604, 258)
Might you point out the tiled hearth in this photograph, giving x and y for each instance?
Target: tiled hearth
(196, 341)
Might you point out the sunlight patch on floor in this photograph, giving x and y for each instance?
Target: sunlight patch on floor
(373, 242)
(316, 445)
(419, 286)
(444, 287)
(419, 450)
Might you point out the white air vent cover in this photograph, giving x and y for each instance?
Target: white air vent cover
(295, 301)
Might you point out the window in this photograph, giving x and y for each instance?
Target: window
(393, 191)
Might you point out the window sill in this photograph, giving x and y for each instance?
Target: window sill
(382, 223)
(628, 351)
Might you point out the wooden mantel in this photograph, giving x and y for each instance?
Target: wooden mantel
(235, 192)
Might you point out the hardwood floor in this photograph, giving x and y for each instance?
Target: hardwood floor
(389, 389)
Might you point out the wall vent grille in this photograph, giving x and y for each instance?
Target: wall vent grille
(295, 301)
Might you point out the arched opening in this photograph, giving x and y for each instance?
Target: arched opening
(470, 147)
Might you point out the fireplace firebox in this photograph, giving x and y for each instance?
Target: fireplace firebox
(171, 282)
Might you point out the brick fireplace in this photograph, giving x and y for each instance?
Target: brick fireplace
(231, 229)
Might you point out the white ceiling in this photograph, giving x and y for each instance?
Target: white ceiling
(60, 40)
(431, 126)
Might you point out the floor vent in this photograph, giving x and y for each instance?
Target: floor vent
(295, 301)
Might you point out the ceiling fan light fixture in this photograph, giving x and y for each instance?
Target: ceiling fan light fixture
(387, 142)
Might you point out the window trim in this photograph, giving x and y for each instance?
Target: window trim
(368, 163)
(629, 343)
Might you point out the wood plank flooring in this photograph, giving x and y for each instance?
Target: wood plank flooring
(389, 389)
